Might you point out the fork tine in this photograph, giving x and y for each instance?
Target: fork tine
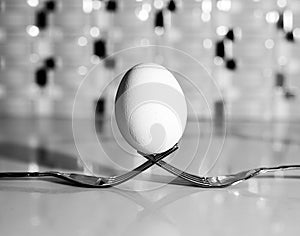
(181, 174)
(151, 161)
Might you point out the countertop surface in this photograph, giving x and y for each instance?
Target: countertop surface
(149, 204)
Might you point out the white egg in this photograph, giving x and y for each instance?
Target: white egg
(150, 108)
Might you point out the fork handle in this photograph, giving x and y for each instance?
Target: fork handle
(278, 168)
(26, 174)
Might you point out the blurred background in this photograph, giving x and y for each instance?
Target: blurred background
(251, 48)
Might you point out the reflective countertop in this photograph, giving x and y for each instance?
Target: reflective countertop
(150, 204)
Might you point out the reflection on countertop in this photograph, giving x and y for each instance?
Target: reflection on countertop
(260, 206)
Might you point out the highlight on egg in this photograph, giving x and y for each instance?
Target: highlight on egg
(150, 108)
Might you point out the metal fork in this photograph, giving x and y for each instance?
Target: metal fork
(190, 179)
(220, 181)
(93, 181)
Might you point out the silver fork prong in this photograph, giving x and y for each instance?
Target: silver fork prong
(151, 161)
(115, 180)
(196, 180)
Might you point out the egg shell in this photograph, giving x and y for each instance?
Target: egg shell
(150, 108)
